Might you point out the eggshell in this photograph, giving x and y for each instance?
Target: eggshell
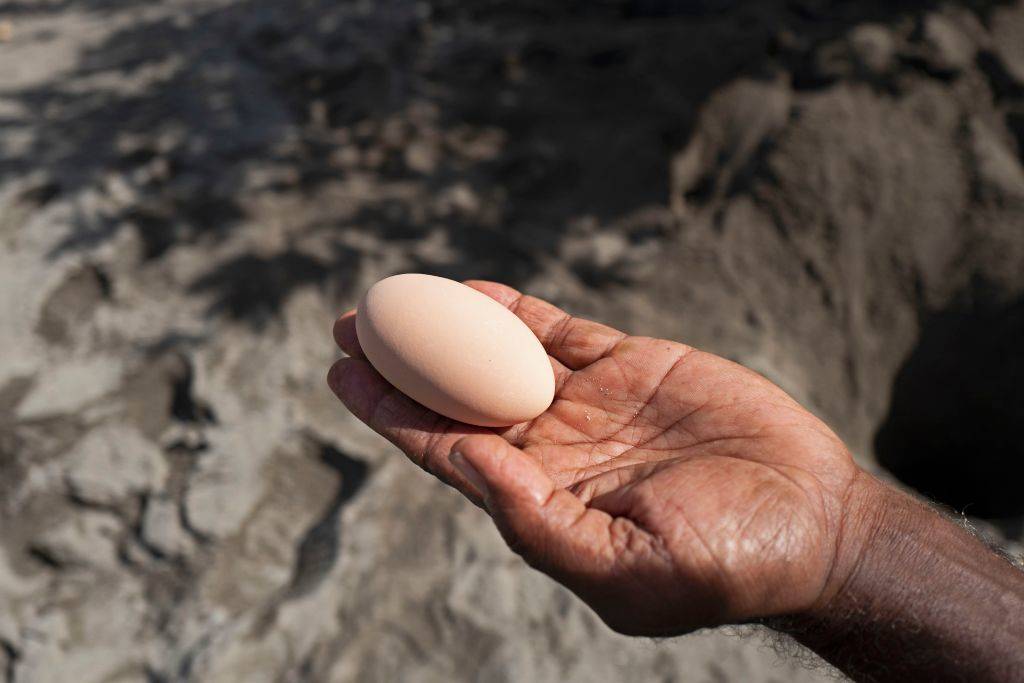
(454, 350)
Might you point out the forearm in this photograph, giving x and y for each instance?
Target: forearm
(920, 599)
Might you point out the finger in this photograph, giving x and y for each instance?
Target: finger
(348, 341)
(345, 334)
(623, 474)
(626, 500)
(548, 526)
(423, 435)
(575, 342)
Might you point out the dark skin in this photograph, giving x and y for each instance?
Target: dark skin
(673, 490)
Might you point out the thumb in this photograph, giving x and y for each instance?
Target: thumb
(548, 526)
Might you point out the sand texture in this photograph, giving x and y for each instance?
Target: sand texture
(190, 191)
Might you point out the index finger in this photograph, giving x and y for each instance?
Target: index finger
(575, 342)
(345, 334)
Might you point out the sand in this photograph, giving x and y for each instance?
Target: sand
(190, 191)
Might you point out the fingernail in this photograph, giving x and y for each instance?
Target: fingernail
(469, 472)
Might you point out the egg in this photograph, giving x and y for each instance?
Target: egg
(454, 350)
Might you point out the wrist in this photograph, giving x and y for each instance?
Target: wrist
(913, 594)
(880, 538)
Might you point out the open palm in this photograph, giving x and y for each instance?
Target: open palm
(669, 488)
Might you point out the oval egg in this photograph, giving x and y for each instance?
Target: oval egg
(454, 350)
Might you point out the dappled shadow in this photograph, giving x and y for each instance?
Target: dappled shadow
(253, 288)
(533, 115)
(955, 429)
(180, 122)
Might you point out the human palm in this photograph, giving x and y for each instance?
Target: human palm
(669, 488)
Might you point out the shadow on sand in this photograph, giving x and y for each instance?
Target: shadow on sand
(591, 100)
(954, 427)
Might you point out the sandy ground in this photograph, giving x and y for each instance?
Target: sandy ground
(829, 192)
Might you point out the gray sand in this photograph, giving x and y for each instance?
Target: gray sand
(190, 191)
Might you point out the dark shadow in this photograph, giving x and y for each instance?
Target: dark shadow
(955, 429)
(318, 549)
(590, 100)
(1015, 122)
(253, 288)
(185, 405)
(1004, 85)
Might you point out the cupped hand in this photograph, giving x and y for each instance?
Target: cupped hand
(667, 487)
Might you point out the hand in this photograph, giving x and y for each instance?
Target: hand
(667, 487)
(672, 490)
